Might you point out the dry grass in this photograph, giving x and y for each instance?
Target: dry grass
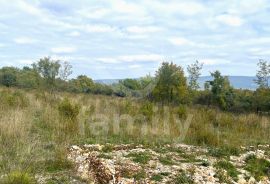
(33, 132)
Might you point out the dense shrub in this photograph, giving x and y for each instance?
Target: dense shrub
(68, 110)
(13, 99)
(18, 177)
(147, 110)
(182, 111)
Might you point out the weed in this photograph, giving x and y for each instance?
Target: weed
(105, 156)
(223, 151)
(107, 148)
(157, 177)
(231, 170)
(140, 175)
(18, 177)
(182, 178)
(68, 110)
(166, 160)
(142, 157)
(258, 167)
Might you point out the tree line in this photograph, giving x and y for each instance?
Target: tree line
(168, 86)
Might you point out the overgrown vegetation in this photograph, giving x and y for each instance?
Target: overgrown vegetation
(229, 167)
(258, 167)
(37, 125)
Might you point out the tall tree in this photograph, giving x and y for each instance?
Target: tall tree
(65, 70)
(222, 91)
(171, 84)
(263, 74)
(194, 71)
(48, 70)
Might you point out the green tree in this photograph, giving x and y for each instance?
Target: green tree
(221, 90)
(263, 74)
(83, 84)
(8, 76)
(171, 84)
(48, 70)
(132, 84)
(28, 78)
(194, 71)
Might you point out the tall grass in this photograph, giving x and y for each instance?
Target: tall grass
(36, 127)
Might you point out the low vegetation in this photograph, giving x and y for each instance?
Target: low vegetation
(42, 113)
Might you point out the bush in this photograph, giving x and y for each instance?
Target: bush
(147, 110)
(68, 110)
(182, 112)
(258, 167)
(231, 170)
(13, 99)
(18, 177)
(182, 178)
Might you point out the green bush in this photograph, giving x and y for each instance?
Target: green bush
(68, 110)
(147, 110)
(18, 177)
(182, 112)
(13, 99)
(231, 170)
(157, 177)
(182, 178)
(258, 167)
(142, 157)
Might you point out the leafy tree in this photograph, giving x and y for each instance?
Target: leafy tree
(263, 74)
(65, 70)
(48, 70)
(194, 71)
(171, 84)
(102, 89)
(222, 91)
(262, 99)
(83, 84)
(132, 84)
(8, 76)
(28, 78)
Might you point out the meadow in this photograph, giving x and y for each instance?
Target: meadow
(37, 127)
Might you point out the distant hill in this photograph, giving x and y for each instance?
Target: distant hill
(238, 82)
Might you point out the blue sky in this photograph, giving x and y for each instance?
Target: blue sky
(119, 39)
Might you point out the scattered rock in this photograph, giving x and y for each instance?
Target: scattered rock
(116, 167)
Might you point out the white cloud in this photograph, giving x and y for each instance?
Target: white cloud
(180, 41)
(132, 58)
(187, 8)
(260, 52)
(74, 33)
(96, 13)
(28, 8)
(63, 50)
(25, 61)
(143, 29)
(214, 61)
(24, 40)
(2, 45)
(121, 6)
(255, 41)
(135, 66)
(230, 20)
(99, 28)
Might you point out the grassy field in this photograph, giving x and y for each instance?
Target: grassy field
(36, 128)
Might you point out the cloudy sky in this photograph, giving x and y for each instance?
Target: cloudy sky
(118, 39)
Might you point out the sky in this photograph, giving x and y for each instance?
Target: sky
(114, 39)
